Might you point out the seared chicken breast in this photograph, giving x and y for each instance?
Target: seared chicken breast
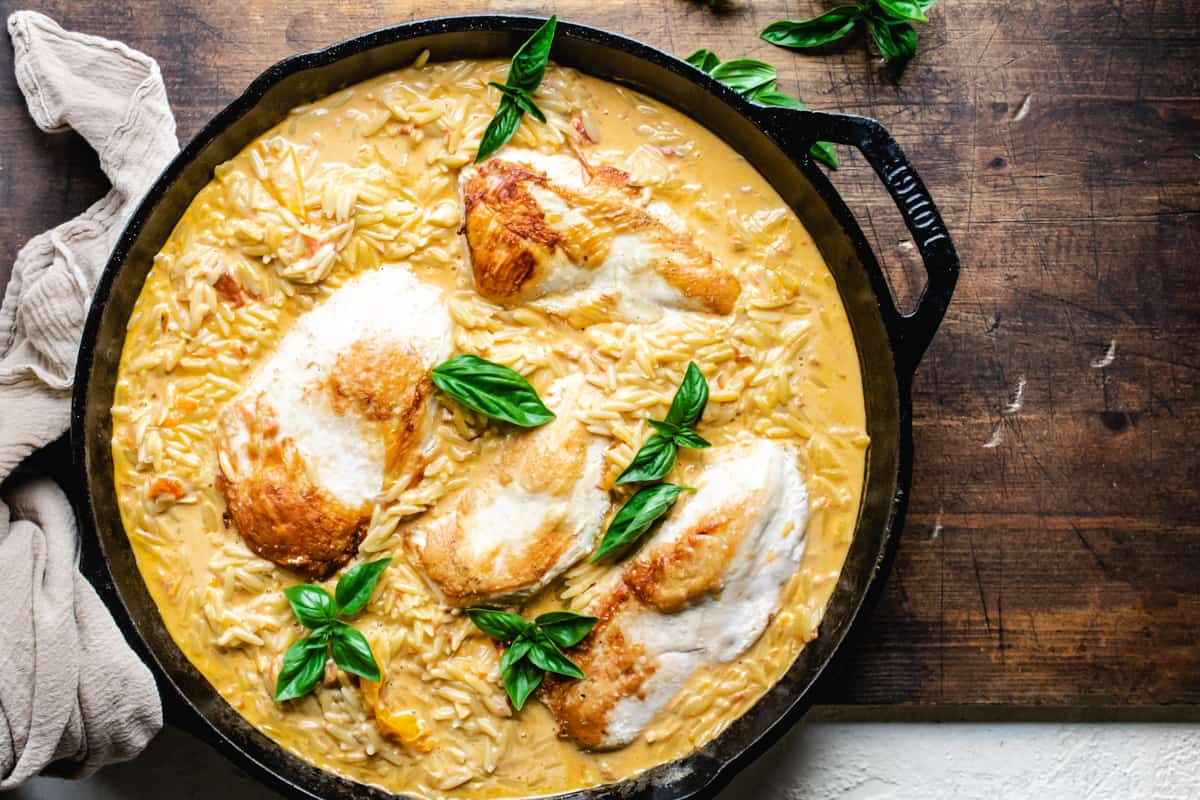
(530, 515)
(553, 232)
(341, 407)
(700, 591)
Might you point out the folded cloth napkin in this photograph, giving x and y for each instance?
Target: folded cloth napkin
(73, 696)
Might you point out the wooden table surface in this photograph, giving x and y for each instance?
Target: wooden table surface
(1052, 551)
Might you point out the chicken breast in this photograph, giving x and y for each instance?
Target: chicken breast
(341, 407)
(700, 591)
(550, 231)
(526, 518)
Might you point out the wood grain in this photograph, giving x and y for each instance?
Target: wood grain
(1061, 564)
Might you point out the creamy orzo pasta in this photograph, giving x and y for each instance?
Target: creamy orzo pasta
(368, 179)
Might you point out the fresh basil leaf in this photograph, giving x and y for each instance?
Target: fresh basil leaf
(895, 42)
(565, 628)
(770, 96)
(545, 655)
(500, 129)
(653, 461)
(824, 152)
(805, 33)
(497, 624)
(705, 60)
(491, 389)
(520, 681)
(902, 10)
(355, 586)
(635, 518)
(686, 437)
(883, 38)
(514, 653)
(524, 76)
(303, 665)
(311, 604)
(352, 653)
(690, 399)
(905, 37)
(521, 98)
(744, 75)
(529, 62)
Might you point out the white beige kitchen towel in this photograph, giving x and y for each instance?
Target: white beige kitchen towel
(73, 696)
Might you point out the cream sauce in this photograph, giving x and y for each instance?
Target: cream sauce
(369, 176)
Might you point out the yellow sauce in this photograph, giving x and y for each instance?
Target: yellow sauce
(783, 365)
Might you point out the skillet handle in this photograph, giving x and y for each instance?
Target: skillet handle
(910, 333)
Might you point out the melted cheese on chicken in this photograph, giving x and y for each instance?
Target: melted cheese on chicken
(340, 408)
(553, 232)
(538, 512)
(700, 591)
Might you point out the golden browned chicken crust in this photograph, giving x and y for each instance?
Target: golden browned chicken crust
(513, 239)
(278, 511)
(386, 383)
(664, 578)
(669, 576)
(614, 667)
(550, 461)
(506, 230)
(274, 504)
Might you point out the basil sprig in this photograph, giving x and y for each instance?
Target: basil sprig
(655, 459)
(534, 648)
(516, 93)
(888, 22)
(304, 662)
(756, 80)
(635, 518)
(492, 389)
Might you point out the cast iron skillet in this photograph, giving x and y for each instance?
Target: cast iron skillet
(774, 140)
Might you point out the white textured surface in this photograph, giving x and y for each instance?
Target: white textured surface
(825, 761)
(964, 761)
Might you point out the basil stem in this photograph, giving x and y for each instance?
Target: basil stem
(492, 389)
